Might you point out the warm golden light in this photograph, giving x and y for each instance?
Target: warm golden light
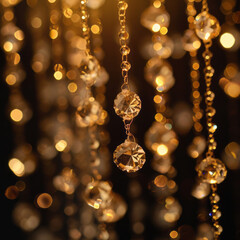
(36, 22)
(72, 87)
(17, 167)
(53, 33)
(156, 27)
(157, 3)
(227, 40)
(8, 46)
(16, 115)
(162, 150)
(173, 234)
(163, 30)
(61, 145)
(11, 79)
(58, 75)
(95, 29)
(44, 200)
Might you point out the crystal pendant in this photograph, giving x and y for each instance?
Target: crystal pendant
(129, 156)
(155, 18)
(160, 139)
(190, 41)
(98, 194)
(88, 113)
(114, 211)
(158, 72)
(89, 70)
(127, 104)
(212, 170)
(206, 26)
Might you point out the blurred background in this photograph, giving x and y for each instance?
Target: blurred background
(66, 215)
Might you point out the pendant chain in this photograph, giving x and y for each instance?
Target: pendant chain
(84, 21)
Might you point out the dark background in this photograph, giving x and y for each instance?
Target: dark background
(227, 119)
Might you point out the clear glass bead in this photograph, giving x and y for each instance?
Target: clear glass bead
(207, 26)
(98, 194)
(89, 70)
(158, 72)
(190, 41)
(212, 170)
(127, 104)
(88, 113)
(114, 211)
(129, 156)
(159, 135)
(155, 16)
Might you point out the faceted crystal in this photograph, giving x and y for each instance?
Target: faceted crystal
(129, 156)
(158, 72)
(212, 170)
(115, 210)
(89, 70)
(127, 104)
(153, 17)
(159, 135)
(190, 41)
(98, 194)
(206, 26)
(88, 113)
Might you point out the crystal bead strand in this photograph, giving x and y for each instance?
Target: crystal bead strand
(129, 156)
(210, 169)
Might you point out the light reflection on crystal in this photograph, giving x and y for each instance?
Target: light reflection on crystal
(231, 155)
(212, 170)
(206, 26)
(114, 211)
(159, 134)
(158, 72)
(129, 156)
(98, 194)
(127, 104)
(88, 113)
(155, 18)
